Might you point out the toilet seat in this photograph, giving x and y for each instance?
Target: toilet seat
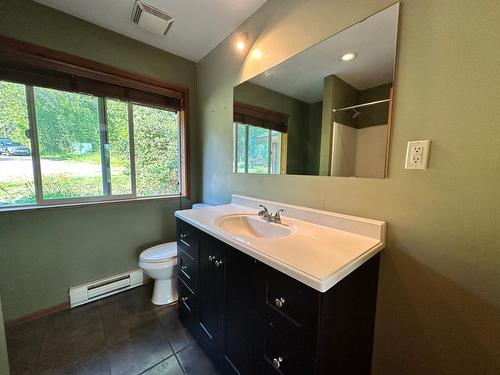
(159, 253)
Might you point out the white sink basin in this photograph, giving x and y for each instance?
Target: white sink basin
(252, 226)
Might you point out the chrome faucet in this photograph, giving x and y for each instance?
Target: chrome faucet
(268, 217)
(265, 214)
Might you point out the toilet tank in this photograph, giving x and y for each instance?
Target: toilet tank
(200, 205)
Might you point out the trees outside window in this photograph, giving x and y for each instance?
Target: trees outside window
(257, 150)
(64, 147)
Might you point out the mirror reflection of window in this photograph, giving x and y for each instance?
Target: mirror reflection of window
(257, 150)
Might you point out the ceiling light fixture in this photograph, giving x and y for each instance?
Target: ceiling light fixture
(349, 56)
(241, 42)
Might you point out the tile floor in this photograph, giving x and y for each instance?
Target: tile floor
(121, 335)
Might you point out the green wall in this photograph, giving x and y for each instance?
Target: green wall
(438, 308)
(314, 137)
(376, 114)
(43, 253)
(4, 362)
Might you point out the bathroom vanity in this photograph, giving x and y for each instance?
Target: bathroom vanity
(291, 298)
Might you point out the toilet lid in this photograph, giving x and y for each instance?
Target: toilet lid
(159, 253)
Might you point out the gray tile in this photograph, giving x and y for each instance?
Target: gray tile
(95, 363)
(167, 315)
(177, 335)
(72, 320)
(127, 313)
(145, 348)
(124, 334)
(123, 326)
(24, 342)
(169, 366)
(26, 332)
(62, 352)
(131, 301)
(194, 361)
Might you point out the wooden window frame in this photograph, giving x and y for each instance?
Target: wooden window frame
(260, 117)
(32, 60)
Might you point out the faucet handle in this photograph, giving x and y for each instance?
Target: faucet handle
(263, 211)
(277, 216)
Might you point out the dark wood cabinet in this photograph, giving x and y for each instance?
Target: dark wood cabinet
(254, 320)
(277, 354)
(211, 291)
(239, 313)
(292, 307)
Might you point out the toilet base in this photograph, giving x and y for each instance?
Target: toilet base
(164, 292)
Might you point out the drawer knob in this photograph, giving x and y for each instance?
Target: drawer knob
(184, 267)
(279, 302)
(211, 258)
(184, 299)
(218, 263)
(277, 362)
(183, 236)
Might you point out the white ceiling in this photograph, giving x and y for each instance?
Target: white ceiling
(374, 40)
(199, 24)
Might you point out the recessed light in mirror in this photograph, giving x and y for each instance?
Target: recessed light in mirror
(349, 56)
(257, 53)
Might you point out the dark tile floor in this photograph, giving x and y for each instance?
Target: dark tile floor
(123, 334)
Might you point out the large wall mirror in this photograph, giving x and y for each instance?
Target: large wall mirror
(326, 111)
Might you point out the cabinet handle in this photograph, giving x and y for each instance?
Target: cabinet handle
(277, 362)
(184, 267)
(182, 236)
(218, 263)
(184, 299)
(279, 302)
(211, 258)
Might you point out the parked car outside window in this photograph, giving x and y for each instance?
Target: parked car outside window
(4, 143)
(17, 149)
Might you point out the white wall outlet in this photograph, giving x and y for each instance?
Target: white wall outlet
(417, 154)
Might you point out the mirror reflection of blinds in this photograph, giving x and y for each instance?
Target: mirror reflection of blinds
(260, 117)
(28, 64)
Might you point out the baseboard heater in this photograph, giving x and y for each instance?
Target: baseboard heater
(85, 293)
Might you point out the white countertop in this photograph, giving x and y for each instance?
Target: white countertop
(325, 247)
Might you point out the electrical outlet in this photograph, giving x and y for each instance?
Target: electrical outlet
(417, 154)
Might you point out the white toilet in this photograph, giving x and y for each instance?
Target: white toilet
(160, 263)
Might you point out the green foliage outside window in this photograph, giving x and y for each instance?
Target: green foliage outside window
(68, 133)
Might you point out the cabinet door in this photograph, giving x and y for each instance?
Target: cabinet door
(239, 332)
(211, 295)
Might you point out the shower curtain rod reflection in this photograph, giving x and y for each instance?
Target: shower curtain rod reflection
(361, 105)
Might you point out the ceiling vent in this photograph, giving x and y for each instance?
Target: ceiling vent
(151, 18)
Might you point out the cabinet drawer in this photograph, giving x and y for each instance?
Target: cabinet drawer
(188, 305)
(187, 269)
(187, 238)
(277, 355)
(291, 306)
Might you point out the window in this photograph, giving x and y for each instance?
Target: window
(16, 165)
(65, 147)
(156, 139)
(257, 150)
(73, 130)
(69, 148)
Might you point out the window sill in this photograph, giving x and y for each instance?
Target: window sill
(13, 209)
